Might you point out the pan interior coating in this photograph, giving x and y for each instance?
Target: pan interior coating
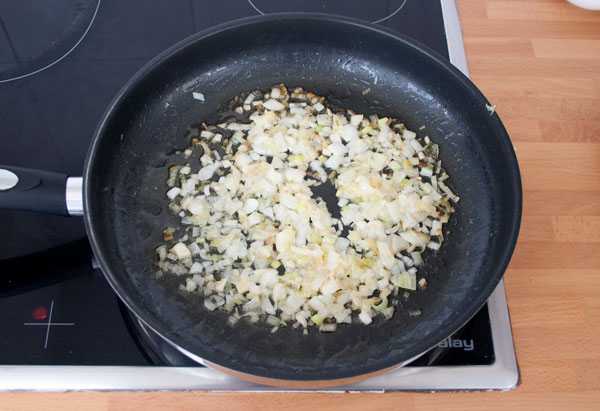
(338, 58)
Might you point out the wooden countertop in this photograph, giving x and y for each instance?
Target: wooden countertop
(538, 61)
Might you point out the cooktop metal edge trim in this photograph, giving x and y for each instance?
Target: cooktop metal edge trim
(454, 37)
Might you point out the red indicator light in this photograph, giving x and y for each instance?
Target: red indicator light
(40, 313)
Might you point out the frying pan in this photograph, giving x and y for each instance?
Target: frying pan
(127, 164)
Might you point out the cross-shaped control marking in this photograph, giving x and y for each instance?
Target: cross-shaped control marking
(48, 324)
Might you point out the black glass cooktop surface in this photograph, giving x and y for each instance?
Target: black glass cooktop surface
(58, 310)
(61, 62)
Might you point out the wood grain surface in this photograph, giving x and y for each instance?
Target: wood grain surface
(538, 61)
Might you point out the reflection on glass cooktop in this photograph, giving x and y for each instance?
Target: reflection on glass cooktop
(375, 11)
(37, 34)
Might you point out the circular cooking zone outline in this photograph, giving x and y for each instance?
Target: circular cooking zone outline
(34, 67)
(380, 20)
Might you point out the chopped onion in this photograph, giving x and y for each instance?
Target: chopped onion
(328, 328)
(207, 172)
(173, 192)
(417, 259)
(181, 251)
(250, 205)
(273, 105)
(258, 242)
(365, 318)
(162, 252)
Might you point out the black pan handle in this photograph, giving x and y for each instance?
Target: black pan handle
(41, 191)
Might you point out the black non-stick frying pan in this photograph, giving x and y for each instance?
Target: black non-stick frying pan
(125, 204)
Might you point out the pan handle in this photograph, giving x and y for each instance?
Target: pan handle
(41, 191)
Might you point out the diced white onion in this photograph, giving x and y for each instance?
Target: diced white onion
(207, 172)
(173, 192)
(273, 105)
(259, 244)
(365, 318)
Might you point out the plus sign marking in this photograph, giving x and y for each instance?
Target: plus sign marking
(48, 324)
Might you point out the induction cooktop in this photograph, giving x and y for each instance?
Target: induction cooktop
(63, 328)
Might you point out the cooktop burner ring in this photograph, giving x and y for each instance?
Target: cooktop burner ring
(27, 65)
(376, 21)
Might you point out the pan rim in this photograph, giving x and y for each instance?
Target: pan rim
(512, 231)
